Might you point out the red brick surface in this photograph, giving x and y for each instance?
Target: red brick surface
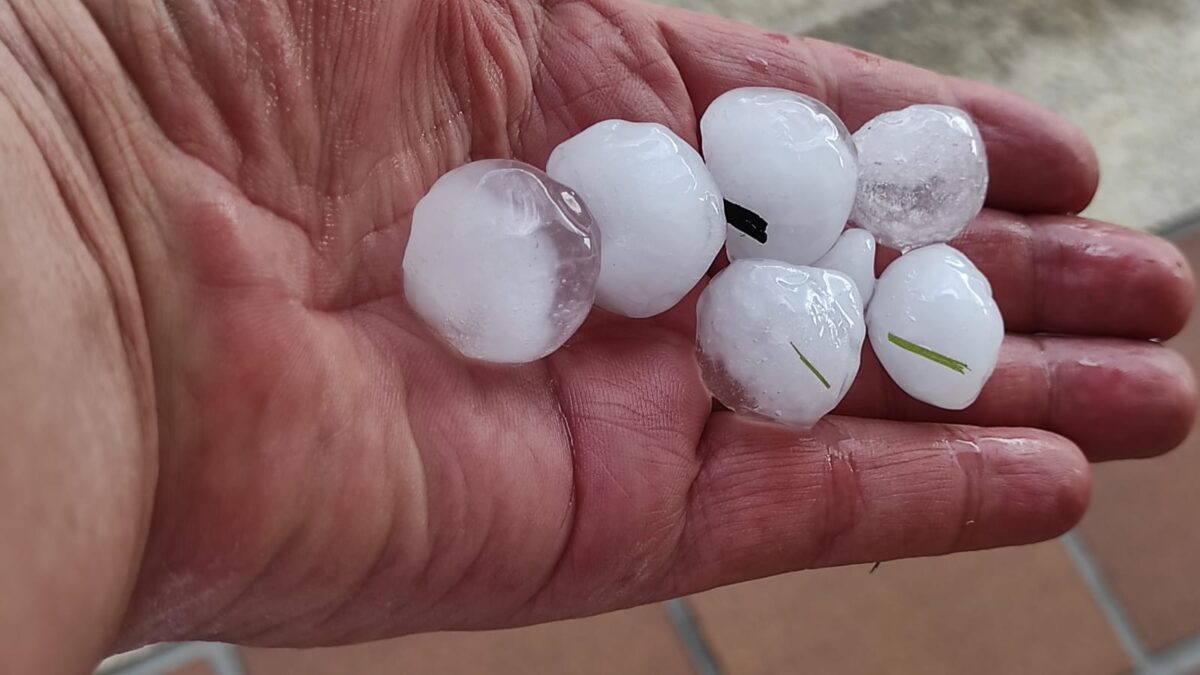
(1144, 525)
(631, 642)
(1011, 611)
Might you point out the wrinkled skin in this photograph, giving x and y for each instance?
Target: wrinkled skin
(267, 447)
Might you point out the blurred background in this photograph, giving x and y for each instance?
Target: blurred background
(1121, 594)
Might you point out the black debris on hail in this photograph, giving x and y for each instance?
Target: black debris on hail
(746, 221)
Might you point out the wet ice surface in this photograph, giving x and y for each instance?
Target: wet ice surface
(923, 175)
(502, 261)
(789, 159)
(935, 327)
(660, 216)
(854, 256)
(780, 342)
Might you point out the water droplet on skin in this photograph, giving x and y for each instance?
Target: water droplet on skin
(969, 457)
(759, 64)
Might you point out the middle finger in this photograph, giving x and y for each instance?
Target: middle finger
(1063, 274)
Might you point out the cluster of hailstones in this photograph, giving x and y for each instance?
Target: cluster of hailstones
(505, 262)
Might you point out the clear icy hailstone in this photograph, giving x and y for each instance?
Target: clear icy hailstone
(780, 342)
(854, 256)
(789, 160)
(660, 216)
(502, 261)
(924, 175)
(935, 327)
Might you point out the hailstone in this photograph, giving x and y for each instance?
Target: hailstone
(780, 342)
(502, 261)
(788, 169)
(924, 175)
(935, 327)
(854, 256)
(659, 212)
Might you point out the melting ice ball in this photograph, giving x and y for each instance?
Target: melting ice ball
(924, 175)
(660, 216)
(780, 342)
(788, 160)
(854, 256)
(935, 327)
(502, 261)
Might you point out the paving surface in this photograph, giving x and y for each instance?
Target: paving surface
(960, 614)
(1119, 595)
(641, 640)
(1143, 526)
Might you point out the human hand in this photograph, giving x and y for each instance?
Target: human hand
(328, 472)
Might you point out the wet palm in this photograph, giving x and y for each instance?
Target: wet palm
(329, 472)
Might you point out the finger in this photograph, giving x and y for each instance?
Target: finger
(769, 500)
(1061, 274)
(1039, 162)
(1116, 399)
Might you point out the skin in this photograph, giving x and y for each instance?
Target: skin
(221, 421)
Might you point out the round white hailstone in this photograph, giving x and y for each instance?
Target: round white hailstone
(780, 342)
(502, 261)
(788, 159)
(854, 256)
(935, 327)
(924, 175)
(657, 208)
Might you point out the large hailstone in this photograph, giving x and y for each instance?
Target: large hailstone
(924, 175)
(780, 342)
(502, 261)
(935, 327)
(783, 159)
(854, 256)
(660, 216)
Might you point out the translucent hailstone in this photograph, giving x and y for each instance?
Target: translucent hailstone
(788, 159)
(935, 327)
(924, 175)
(780, 342)
(854, 256)
(660, 216)
(502, 261)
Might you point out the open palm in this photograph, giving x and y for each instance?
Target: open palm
(329, 472)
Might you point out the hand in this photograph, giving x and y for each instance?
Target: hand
(328, 472)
